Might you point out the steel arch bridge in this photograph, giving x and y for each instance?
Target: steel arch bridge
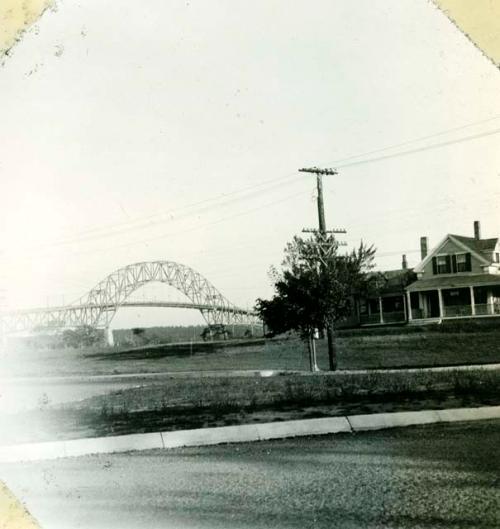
(98, 307)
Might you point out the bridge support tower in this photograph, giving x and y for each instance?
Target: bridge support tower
(109, 336)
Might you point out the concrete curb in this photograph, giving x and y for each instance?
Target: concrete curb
(379, 421)
(240, 434)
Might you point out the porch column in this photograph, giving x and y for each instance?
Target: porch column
(421, 305)
(380, 310)
(358, 311)
(408, 305)
(441, 308)
(472, 301)
(489, 302)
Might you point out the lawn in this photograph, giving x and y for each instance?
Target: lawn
(354, 352)
(196, 402)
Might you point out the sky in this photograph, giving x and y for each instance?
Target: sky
(175, 130)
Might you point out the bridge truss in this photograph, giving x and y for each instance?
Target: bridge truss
(98, 307)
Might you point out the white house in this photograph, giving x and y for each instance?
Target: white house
(460, 277)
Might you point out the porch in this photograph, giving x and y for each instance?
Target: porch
(452, 300)
(382, 310)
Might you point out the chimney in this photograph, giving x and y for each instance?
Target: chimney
(404, 263)
(423, 248)
(477, 230)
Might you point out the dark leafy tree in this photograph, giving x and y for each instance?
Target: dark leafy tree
(316, 286)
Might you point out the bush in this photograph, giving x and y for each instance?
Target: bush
(85, 336)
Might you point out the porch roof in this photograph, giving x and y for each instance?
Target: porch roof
(452, 281)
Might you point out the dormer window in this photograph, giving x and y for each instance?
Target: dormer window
(463, 264)
(443, 264)
(451, 264)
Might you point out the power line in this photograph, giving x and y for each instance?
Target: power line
(416, 140)
(421, 149)
(265, 187)
(151, 224)
(145, 222)
(270, 184)
(189, 230)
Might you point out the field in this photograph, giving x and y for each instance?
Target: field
(180, 402)
(186, 399)
(354, 352)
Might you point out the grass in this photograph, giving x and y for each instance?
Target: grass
(354, 352)
(251, 392)
(180, 403)
(197, 402)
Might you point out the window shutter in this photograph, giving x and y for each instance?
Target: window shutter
(448, 264)
(434, 266)
(468, 264)
(454, 263)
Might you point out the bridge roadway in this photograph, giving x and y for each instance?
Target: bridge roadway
(100, 315)
(162, 304)
(99, 306)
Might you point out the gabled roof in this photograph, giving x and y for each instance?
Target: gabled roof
(478, 245)
(393, 281)
(467, 243)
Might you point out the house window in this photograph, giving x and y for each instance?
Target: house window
(443, 264)
(462, 263)
(451, 264)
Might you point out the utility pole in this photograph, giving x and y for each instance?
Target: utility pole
(319, 183)
(332, 354)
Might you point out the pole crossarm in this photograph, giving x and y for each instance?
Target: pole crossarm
(99, 306)
(313, 230)
(318, 171)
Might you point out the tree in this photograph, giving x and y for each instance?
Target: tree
(84, 336)
(316, 286)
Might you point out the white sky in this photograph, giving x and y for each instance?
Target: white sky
(117, 117)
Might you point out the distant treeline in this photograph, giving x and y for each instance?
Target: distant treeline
(89, 337)
(174, 334)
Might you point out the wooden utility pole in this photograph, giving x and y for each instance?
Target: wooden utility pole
(332, 353)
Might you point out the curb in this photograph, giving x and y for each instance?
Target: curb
(241, 433)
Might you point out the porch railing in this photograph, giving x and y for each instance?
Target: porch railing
(417, 314)
(394, 317)
(450, 311)
(366, 319)
(486, 309)
(453, 311)
(388, 317)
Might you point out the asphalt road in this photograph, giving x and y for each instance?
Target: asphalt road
(439, 476)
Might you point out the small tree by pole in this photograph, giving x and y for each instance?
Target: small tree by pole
(315, 287)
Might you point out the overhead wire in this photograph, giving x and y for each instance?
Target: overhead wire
(270, 184)
(415, 140)
(192, 229)
(147, 221)
(420, 149)
(266, 187)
